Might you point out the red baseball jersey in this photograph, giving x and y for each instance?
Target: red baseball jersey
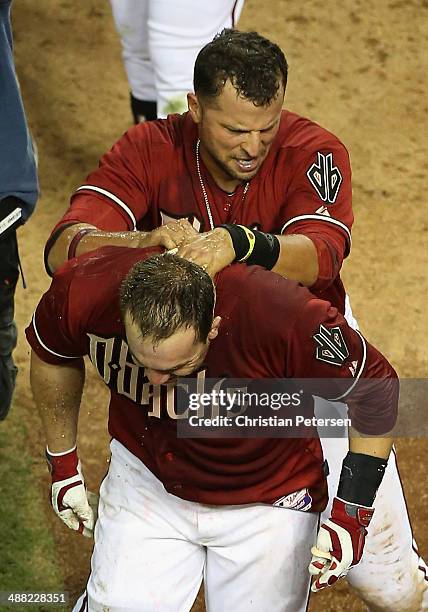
(271, 328)
(303, 187)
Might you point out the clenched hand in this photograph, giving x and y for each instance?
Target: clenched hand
(211, 250)
(170, 235)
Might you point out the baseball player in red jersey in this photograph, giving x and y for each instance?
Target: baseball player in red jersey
(174, 509)
(237, 159)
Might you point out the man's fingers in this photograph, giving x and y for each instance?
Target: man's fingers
(88, 533)
(321, 583)
(320, 560)
(189, 242)
(318, 552)
(169, 235)
(80, 506)
(187, 228)
(195, 250)
(187, 251)
(88, 526)
(206, 250)
(328, 577)
(82, 518)
(317, 565)
(167, 242)
(195, 255)
(84, 531)
(75, 506)
(77, 522)
(76, 509)
(70, 519)
(170, 240)
(332, 572)
(177, 232)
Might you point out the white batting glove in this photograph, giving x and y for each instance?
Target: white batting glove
(340, 543)
(74, 505)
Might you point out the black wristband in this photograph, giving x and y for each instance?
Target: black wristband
(253, 247)
(240, 240)
(360, 478)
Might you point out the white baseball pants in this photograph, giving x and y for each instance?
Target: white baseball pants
(391, 576)
(160, 42)
(152, 550)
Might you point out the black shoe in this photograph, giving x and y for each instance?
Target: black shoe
(143, 110)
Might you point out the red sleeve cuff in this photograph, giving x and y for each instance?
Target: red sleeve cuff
(329, 263)
(43, 352)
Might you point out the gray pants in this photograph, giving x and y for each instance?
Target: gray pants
(9, 272)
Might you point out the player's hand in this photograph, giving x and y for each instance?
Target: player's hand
(75, 506)
(211, 250)
(340, 543)
(170, 235)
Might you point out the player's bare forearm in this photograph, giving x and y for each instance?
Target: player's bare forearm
(214, 250)
(369, 445)
(57, 391)
(170, 235)
(298, 259)
(58, 253)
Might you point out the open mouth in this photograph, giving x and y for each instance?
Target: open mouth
(247, 165)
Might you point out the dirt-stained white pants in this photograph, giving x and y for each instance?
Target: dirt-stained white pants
(160, 42)
(391, 576)
(152, 550)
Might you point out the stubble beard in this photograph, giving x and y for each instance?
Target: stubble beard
(228, 172)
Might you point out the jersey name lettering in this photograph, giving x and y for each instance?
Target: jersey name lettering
(113, 361)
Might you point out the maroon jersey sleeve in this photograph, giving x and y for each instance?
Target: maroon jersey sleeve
(323, 346)
(55, 332)
(319, 202)
(117, 194)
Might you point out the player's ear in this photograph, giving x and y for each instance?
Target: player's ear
(213, 333)
(194, 107)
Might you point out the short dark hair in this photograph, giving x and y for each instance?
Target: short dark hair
(255, 66)
(164, 293)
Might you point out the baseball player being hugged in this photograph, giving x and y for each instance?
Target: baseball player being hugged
(237, 178)
(174, 510)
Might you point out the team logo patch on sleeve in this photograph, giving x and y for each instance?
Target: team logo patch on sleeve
(325, 178)
(331, 346)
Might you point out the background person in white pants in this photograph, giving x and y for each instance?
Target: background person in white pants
(160, 41)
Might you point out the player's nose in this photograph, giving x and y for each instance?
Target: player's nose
(157, 378)
(252, 144)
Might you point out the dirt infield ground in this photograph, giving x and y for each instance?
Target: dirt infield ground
(357, 67)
